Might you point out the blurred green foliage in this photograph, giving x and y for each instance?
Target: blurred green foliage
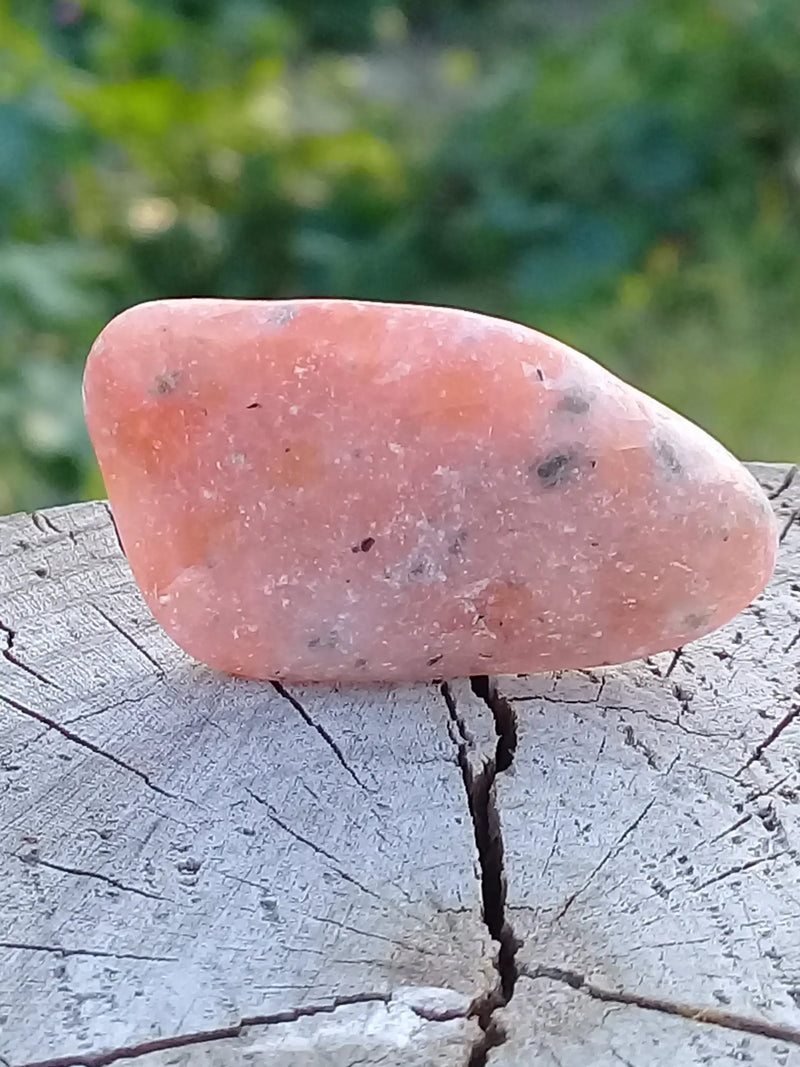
(628, 180)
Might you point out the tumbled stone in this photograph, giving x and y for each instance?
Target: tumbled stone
(333, 490)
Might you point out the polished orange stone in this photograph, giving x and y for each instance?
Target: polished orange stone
(340, 491)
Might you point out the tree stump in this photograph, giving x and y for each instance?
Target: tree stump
(583, 869)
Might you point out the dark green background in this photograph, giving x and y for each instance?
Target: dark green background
(624, 176)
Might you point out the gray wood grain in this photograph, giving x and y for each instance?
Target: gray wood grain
(181, 851)
(414, 1026)
(196, 870)
(651, 831)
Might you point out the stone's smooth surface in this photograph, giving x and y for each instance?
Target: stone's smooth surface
(332, 490)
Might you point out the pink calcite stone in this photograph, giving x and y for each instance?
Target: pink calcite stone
(333, 490)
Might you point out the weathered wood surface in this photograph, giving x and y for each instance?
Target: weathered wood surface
(183, 851)
(651, 827)
(198, 870)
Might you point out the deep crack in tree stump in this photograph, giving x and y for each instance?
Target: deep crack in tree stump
(581, 870)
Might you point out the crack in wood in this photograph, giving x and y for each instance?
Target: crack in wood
(273, 816)
(755, 794)
(740, 868)
(77, 740)
(676, 655)
(33, 860)
(770, 739)
(788, 479)
(407, 945)
(788, 525)
(505, 719)
(619, 1057)
(161, 1044)
(627, 709)
(44, 524)
(109, 707)
(630, 739)
(320, 729)
(728, 830)
(120, 629)
(479, 787)
(615, 849)
(114, 526)
(700, 1014)
(64, 952)
(10, 655)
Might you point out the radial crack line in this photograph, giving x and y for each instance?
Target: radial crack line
(479, 787)
(788, 478)
(699, 1014)
(323, 733)
(63, 951)
(770, 739)
(33, 860)
(160, 1044)
(329, 856)
(740, 868)
(76, 739)
(612, 852)
(10, 655)
(112, 622)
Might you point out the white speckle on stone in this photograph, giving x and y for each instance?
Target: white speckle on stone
(396, 371)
